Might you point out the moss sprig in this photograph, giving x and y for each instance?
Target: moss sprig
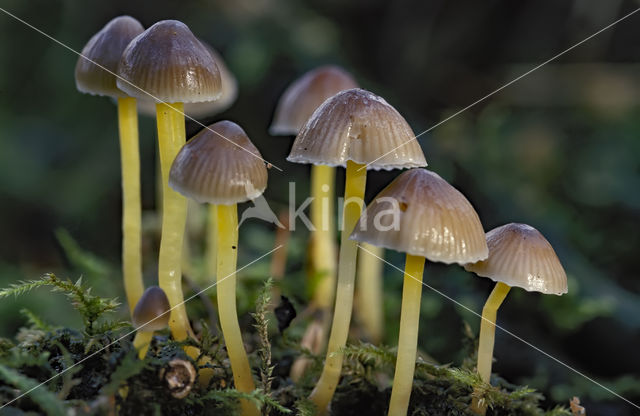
(91, 307)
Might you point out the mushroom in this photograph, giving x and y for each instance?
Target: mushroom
(362, 131)
(105, 49)
(199, 110)
(167, 63)
(518, 256)
(297, 104)
(150, 314)
(421, 215)
(295, 107)
(220, 166)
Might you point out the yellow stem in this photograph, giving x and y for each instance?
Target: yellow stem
(369, 303)
(212, 243)
(353, 200)
(131, 210)
(141, 342)
(226, 294)
(323, 256)
(487, 339)
(171, 137)
(408, 336)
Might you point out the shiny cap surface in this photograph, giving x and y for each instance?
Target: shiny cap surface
(219, 166)
(168, 62)
(360, 126)
(519, 255)
(421, 214)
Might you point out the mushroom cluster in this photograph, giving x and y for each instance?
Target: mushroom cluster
(168, 72)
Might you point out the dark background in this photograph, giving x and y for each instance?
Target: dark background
(559, 149)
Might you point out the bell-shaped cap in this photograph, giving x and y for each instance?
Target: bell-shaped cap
(105, 49)
(219, 165)
(359, 126)
(419, 213)
(520, 256)
(150, 310)
(304, 95)
(204, 109)
(168, 63)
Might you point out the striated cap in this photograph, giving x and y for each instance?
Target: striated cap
(419, 213)
(359, 126)
(204, 109)
(169, 62)
(520, 256)
(152, 304)
(219, 166)
(307, 93)
(105, 49)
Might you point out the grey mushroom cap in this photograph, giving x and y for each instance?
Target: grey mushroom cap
(168, 63)
(305, 95)
(96, 68)
(421, 214)
(219, 166)
(520, 256)
(360, 126)
(150, 313)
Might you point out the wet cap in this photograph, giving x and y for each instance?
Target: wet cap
(168, 62)
(305, 95)
(206, 108)
(219, 166)
(434, 220)
(520, 256)
(360, 126)
(105, 49)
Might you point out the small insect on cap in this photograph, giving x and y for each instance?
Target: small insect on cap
(419, 213)
(359, 126)
(105, 49)
(150, 309)
(219, 165)
(520, 256)
(169, 63)
(307, 93)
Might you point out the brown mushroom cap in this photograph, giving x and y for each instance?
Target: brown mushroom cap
(434, 220)
(168, 62)
(219, 166)
(359, 126)
(105, 49)
(150, 309)
(204, 109)
(520, 256)
(307, 93)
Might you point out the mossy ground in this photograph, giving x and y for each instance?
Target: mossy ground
(99, 372)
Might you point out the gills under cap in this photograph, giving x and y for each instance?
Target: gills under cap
(219, 166)
(519, 255)
(168, 62)
(305, 95)
(434, 220)
(150, 309)
(360, 126)
(105, 49)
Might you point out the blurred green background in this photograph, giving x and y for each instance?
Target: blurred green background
(559, 149)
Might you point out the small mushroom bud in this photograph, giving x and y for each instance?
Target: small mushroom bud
(150, 314)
